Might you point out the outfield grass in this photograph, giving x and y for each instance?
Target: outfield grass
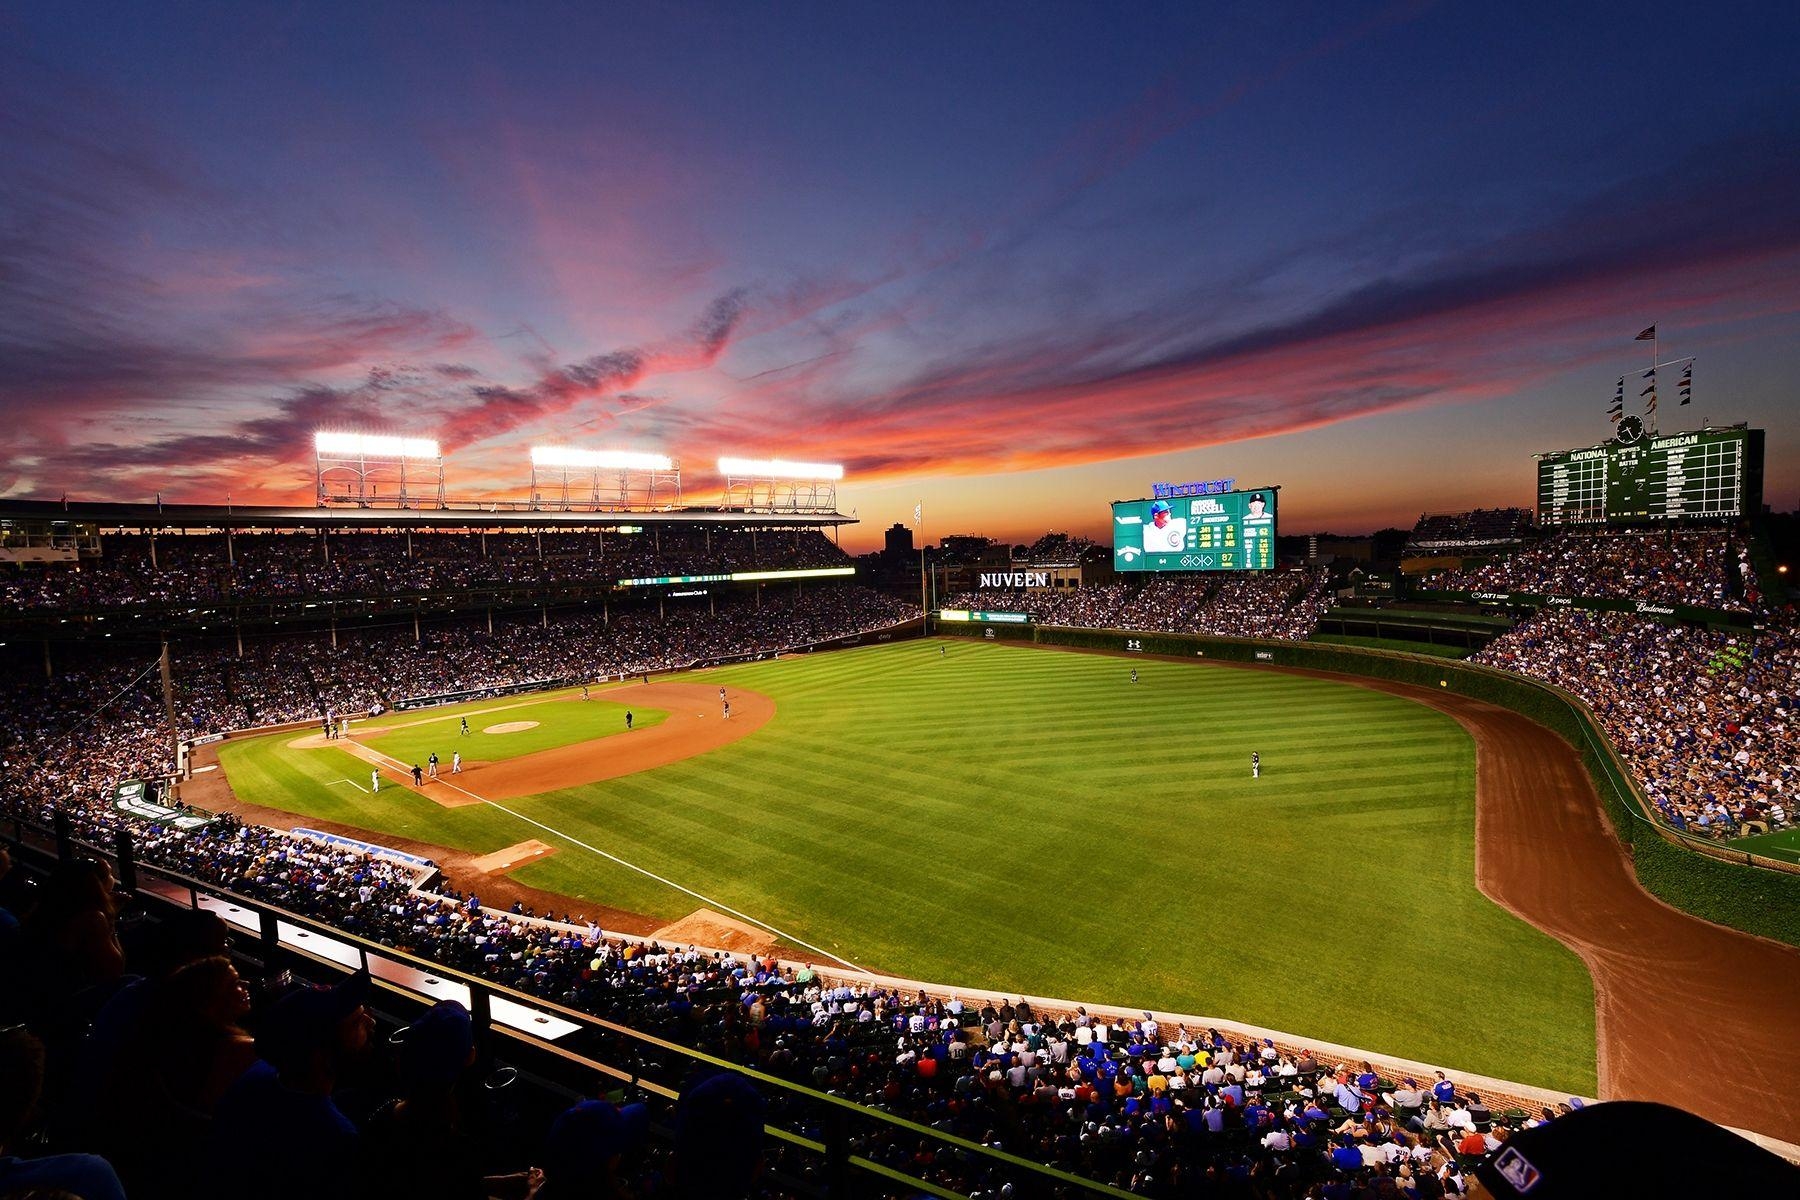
(560, 722)
(1031, 820)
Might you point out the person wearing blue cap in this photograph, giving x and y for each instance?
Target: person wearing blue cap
(585, 1147)
(1166, 533)
(304, 1041)
(718, 1138)
(418, 1144)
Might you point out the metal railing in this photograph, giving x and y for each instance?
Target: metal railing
(831, 1144)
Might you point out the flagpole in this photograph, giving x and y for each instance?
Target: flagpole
(1655, 353)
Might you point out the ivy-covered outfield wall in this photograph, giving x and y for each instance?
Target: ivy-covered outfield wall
(1707, 879)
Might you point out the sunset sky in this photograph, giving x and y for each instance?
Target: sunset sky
(1010, 259)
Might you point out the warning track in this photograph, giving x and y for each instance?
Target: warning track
(1687, 1012)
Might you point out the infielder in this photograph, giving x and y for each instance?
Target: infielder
(456, 762)
(375, 780)
(721, 695)
(628, 720)
(432, 764)
(728, 710)
(1255, 765)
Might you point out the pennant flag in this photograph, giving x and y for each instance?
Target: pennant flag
(1687, 383)
(1649, 335)
(1650, 374)
(1649, 391)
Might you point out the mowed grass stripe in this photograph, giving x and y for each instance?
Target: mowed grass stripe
(1027, 820)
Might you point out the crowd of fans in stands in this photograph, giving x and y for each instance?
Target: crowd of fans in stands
(1709, 722)
(1704, 568)
(147, 1067)
(1285, 604)
(1457, 533)
(305, 678)
(206, 569)
(141, 1050)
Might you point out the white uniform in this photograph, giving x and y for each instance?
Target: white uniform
(1170, 539)
(456, 762)
(375, 780)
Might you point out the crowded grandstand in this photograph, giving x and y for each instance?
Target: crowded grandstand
(1702, 716)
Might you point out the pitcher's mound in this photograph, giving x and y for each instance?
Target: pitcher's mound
(511, 727)
(512, 856)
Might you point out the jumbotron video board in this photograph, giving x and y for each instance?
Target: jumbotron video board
(1644, 477)
(1230, 531)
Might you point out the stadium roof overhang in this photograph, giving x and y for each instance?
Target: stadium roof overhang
(109, 515)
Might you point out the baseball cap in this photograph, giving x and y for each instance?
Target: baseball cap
(1161, 506)
(718, 1133)
(1600, 1150)
(302, 1020)
(437, 1045)
(583, 1141)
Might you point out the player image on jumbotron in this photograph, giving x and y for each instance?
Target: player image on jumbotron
(1258, 508)
(1164, 534)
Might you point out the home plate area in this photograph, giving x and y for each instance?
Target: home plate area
(512, 856)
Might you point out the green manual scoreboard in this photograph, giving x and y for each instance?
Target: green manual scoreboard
(1229, 531)
(1644, 477)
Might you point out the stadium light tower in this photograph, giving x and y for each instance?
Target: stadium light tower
(777, 485)
(570, 478)
(370, 470)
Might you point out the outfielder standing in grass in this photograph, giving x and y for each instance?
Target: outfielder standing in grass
(1255, 765)
(465, 727)
(628, 720)
(375, 780)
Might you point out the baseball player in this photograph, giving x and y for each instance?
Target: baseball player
(1134, 674)
(584, 691)
(432, 764)
(1255, 765)
(940, 652)
(456, 762)
(375, 780)
(465, 727)
(721, 695)
(728, 710)
(1165, 533)
(628, 720)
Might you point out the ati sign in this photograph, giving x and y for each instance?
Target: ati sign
(1014, 579)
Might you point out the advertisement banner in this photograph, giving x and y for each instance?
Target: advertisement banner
(1648, 608)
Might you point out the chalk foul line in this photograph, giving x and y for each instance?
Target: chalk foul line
(627, 863)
